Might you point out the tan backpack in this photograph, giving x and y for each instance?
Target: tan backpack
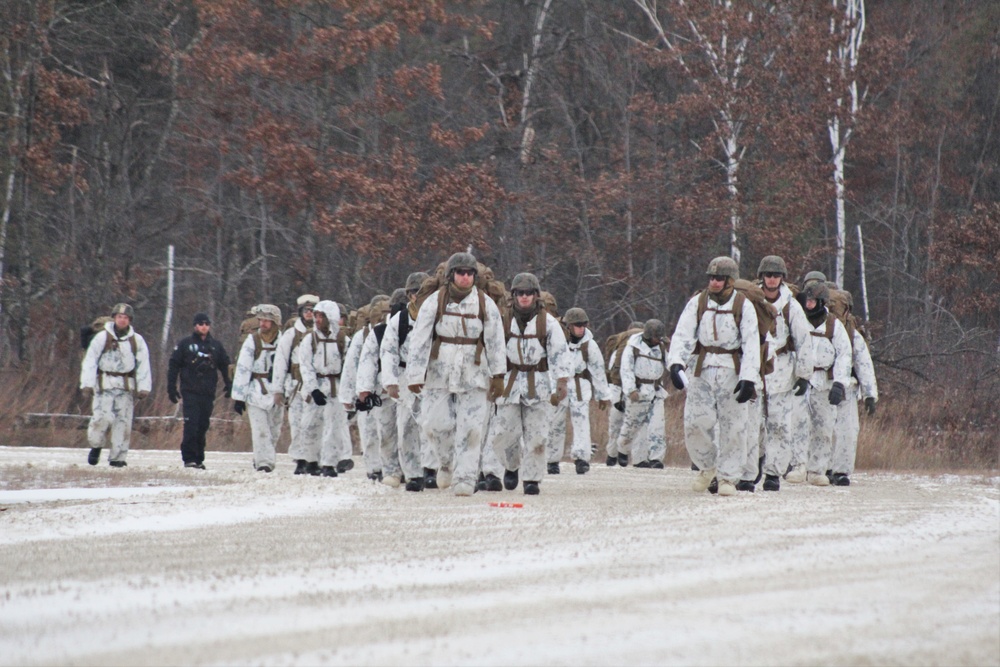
(614, 347)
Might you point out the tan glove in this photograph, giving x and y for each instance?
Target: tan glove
(603, 405)
(496, 388)
(561, 392)
(415, 388)
(141, 395)
(279, 398)
(393, 391)
(634, 396)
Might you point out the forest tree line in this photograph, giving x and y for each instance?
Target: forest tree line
(612, 147)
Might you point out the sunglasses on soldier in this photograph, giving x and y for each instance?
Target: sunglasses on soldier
(522, 292)
(771, 274)
(465, 272)
(718, 278)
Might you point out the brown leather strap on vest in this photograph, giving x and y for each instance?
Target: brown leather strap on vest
(585, 375)
(332, 377)
(259, 377)
(541, 367)
(126, 376)
(702, 350)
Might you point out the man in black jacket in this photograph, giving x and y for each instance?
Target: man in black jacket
(197, 359)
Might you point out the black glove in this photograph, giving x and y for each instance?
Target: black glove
(173, 395)
(801, 386)
(239, 407)
(620, 405)
(228, 391)
(870, 405)
(319, 398)
(675, 376)
(836, 393)
(371, 401)
(743, 391)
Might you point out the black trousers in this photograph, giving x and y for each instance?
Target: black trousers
(197, 412)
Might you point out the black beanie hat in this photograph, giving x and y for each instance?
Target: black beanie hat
(202, 318)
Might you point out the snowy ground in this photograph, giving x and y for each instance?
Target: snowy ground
(157, 565)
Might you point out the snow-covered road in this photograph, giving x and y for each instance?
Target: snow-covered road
(157, 565)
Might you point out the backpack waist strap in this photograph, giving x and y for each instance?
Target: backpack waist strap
(702, 350)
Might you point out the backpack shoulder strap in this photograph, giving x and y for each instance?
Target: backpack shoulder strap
(541, 328)
(702, 306)
(585, 351)
(738, 303)
(258, 345)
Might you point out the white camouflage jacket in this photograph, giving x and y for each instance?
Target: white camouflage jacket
(286, 358)
(864, 369)
(255, 391)
(349, 378)
(645, 364)
(98, 364)
(394, 357)
(582, 390)
(719, 330)
(321, 364)
(369, 373)
(455, 369)
(830, 353)
(789, 365)
(523, 351)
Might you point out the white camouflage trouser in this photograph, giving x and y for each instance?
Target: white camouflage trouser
(519, 434)
(265, 427)
(409, 439)
(384, 421)
(296, 406)
(845, 433)
(578, 412)
(454, 425)
(615, 420)
(636, 418)
(786, 429)
(370, 442)
(710, 408)
(651, 442)
(822, 416)
(325, 432)
(111, 410)
(754, 434)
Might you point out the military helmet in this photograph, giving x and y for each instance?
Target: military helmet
(461, 260)
(307, 300)
(123, 309)
(266, 311)
(378, 308)
(636, 325)
(415, 280)
(377, 299)
(816, 290)
(813, 276)
(575, 316)
(772, 264)
(330, 309)
(398, 298)
(654, 329)
(526, 282)
(723, 266)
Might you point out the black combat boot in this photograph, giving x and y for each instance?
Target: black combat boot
(430, 478)
(713, 486)
(840, 479)
(481, 483)
(582, 467)
(493, 483)
(510, 479)
(312, 468)
(327, 471)
(612, 461)
(745, 485)
(553, 468)
(415, 484)
(345, 465)
(301, 466)
(656, 464)
(531, 488)
(117, 464)
(623, 460)
(94, 456)
(772, 483)
(642, 464)
(375, 476)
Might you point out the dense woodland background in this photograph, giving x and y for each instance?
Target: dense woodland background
(612, 147)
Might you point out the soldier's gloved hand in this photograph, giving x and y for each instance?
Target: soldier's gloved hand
(743, 391)
(239, 407)
(496, 388)
(870, 406)
(393, 391)
(415, 388)
(620, 405)
(603, 405)
(561, 392)
(634, 396)
(801, 386)
(87, 392)
(279, 398)
(141, 394)
(675, 376)
(319, 398)
(363, 396)
(836, 394)
(173, 395)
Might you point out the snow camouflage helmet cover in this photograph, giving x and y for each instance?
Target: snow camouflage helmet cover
(330, 309)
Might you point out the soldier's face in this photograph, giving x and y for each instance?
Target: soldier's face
(266, 325)
(810, 304)
(321, 321)
(307, 314)
(772, 281)
(716, 284)
(122, 321)
(464, 278)
(578, 330)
